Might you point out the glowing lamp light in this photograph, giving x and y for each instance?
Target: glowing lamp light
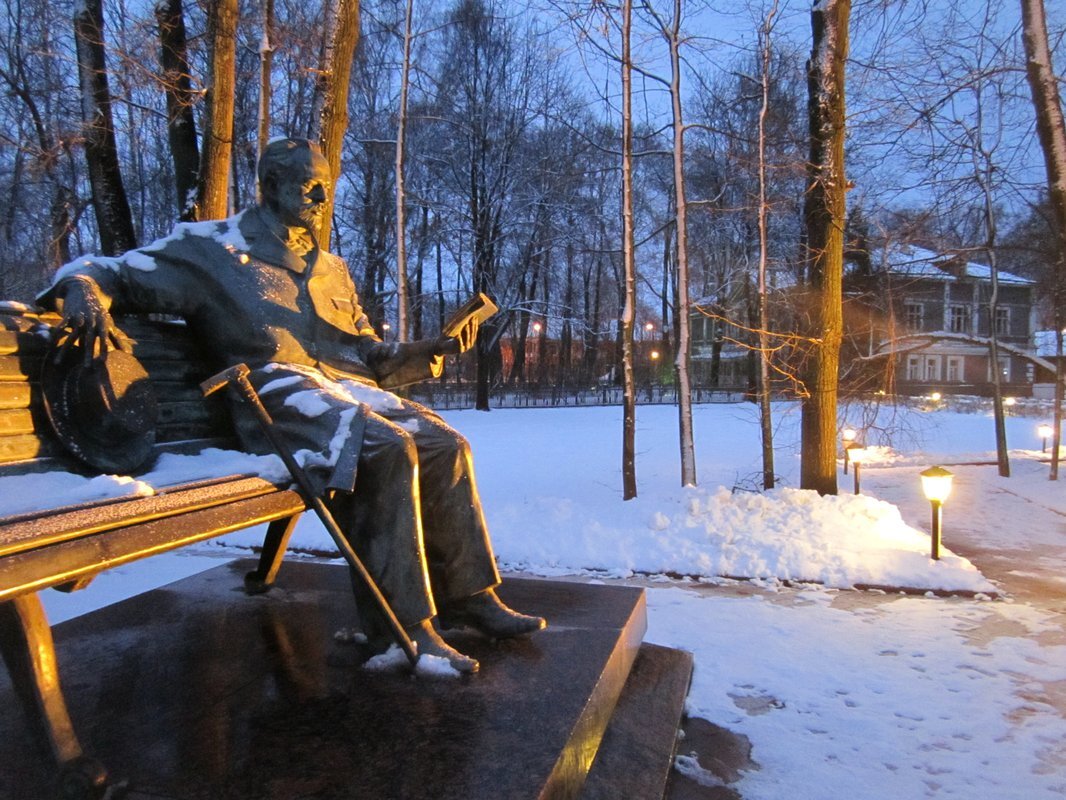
(1044, 432)
(848, 436)
(936, 485)
(857, 454)
(1009, 401)
(935, 397)
(385, 326)
(536, 327)
(654, 355)
(649, 327)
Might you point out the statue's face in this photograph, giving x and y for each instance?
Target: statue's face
(299, 194)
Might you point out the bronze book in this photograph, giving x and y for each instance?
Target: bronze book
(480, 306)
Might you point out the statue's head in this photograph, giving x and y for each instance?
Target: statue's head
(294, 179)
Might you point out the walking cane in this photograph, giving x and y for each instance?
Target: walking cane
(238, 376)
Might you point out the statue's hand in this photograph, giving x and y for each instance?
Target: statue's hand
(85, 314)
(467, 335)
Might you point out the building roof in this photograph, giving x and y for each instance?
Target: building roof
(917, 262)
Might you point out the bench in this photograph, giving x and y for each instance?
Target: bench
(65, 546)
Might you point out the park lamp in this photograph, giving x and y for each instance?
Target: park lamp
(654, 355)
(936, 397)
(1044, 432)
(857, 454)
(936, 485)
(848, 436)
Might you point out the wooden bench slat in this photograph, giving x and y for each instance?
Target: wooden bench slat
(19, 368)
(16, 395)
(25, 447)
(16, 421)
(83, 557)
(40, 529)
(28, 342)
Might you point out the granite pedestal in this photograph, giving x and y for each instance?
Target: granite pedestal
(199, 692)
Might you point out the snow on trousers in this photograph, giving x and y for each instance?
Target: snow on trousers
(414, 516)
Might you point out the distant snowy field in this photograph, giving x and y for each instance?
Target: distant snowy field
(843, 694)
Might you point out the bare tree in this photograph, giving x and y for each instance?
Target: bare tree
(213, 196)
(403, 301)
(629, 421)
(266, 60)
(824, 217)
(1051, 130)
(334, 78)
(112, 209)
(765, 413)
(180, 99)
(671, 31)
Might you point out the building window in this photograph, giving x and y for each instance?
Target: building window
(954, 369)
(1002, 321)
(912, 313)
(959, 319)
(932, 368)
(914, 368)
(1004, 369)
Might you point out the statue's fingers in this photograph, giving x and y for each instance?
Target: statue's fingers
(114, 335)
(65, 344)
(117, 339)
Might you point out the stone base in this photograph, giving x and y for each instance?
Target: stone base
(198, 691)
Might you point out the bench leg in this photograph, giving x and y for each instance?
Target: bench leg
(277, 539)
(28, 649)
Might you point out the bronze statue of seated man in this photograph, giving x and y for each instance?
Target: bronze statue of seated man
(259, 290)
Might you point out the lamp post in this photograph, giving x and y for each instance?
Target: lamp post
(847, 436)
(1044, 432)
(537, 327)
(936, 485)
(857, 454)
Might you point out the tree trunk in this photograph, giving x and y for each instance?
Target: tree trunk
(681, 360)
(266, 89)
(824, 217)
(218, 114)
(1056, 434)
(629, 391)
(765, 413)
(1051, 130)
(334, 79)
(402, 301)
(101, 152)
(177, 87)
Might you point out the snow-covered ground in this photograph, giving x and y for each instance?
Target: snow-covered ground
(842, 693)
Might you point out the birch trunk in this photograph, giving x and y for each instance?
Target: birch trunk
(403, 300)
(266, 89)
(684, 387)
(110, 204)
(765, 413)
(824, 216)
(1051, 130)
(629, 389)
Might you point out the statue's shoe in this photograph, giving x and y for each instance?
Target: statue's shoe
(490, 616)
(429, 643)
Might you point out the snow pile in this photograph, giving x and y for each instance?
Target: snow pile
(786, 534)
